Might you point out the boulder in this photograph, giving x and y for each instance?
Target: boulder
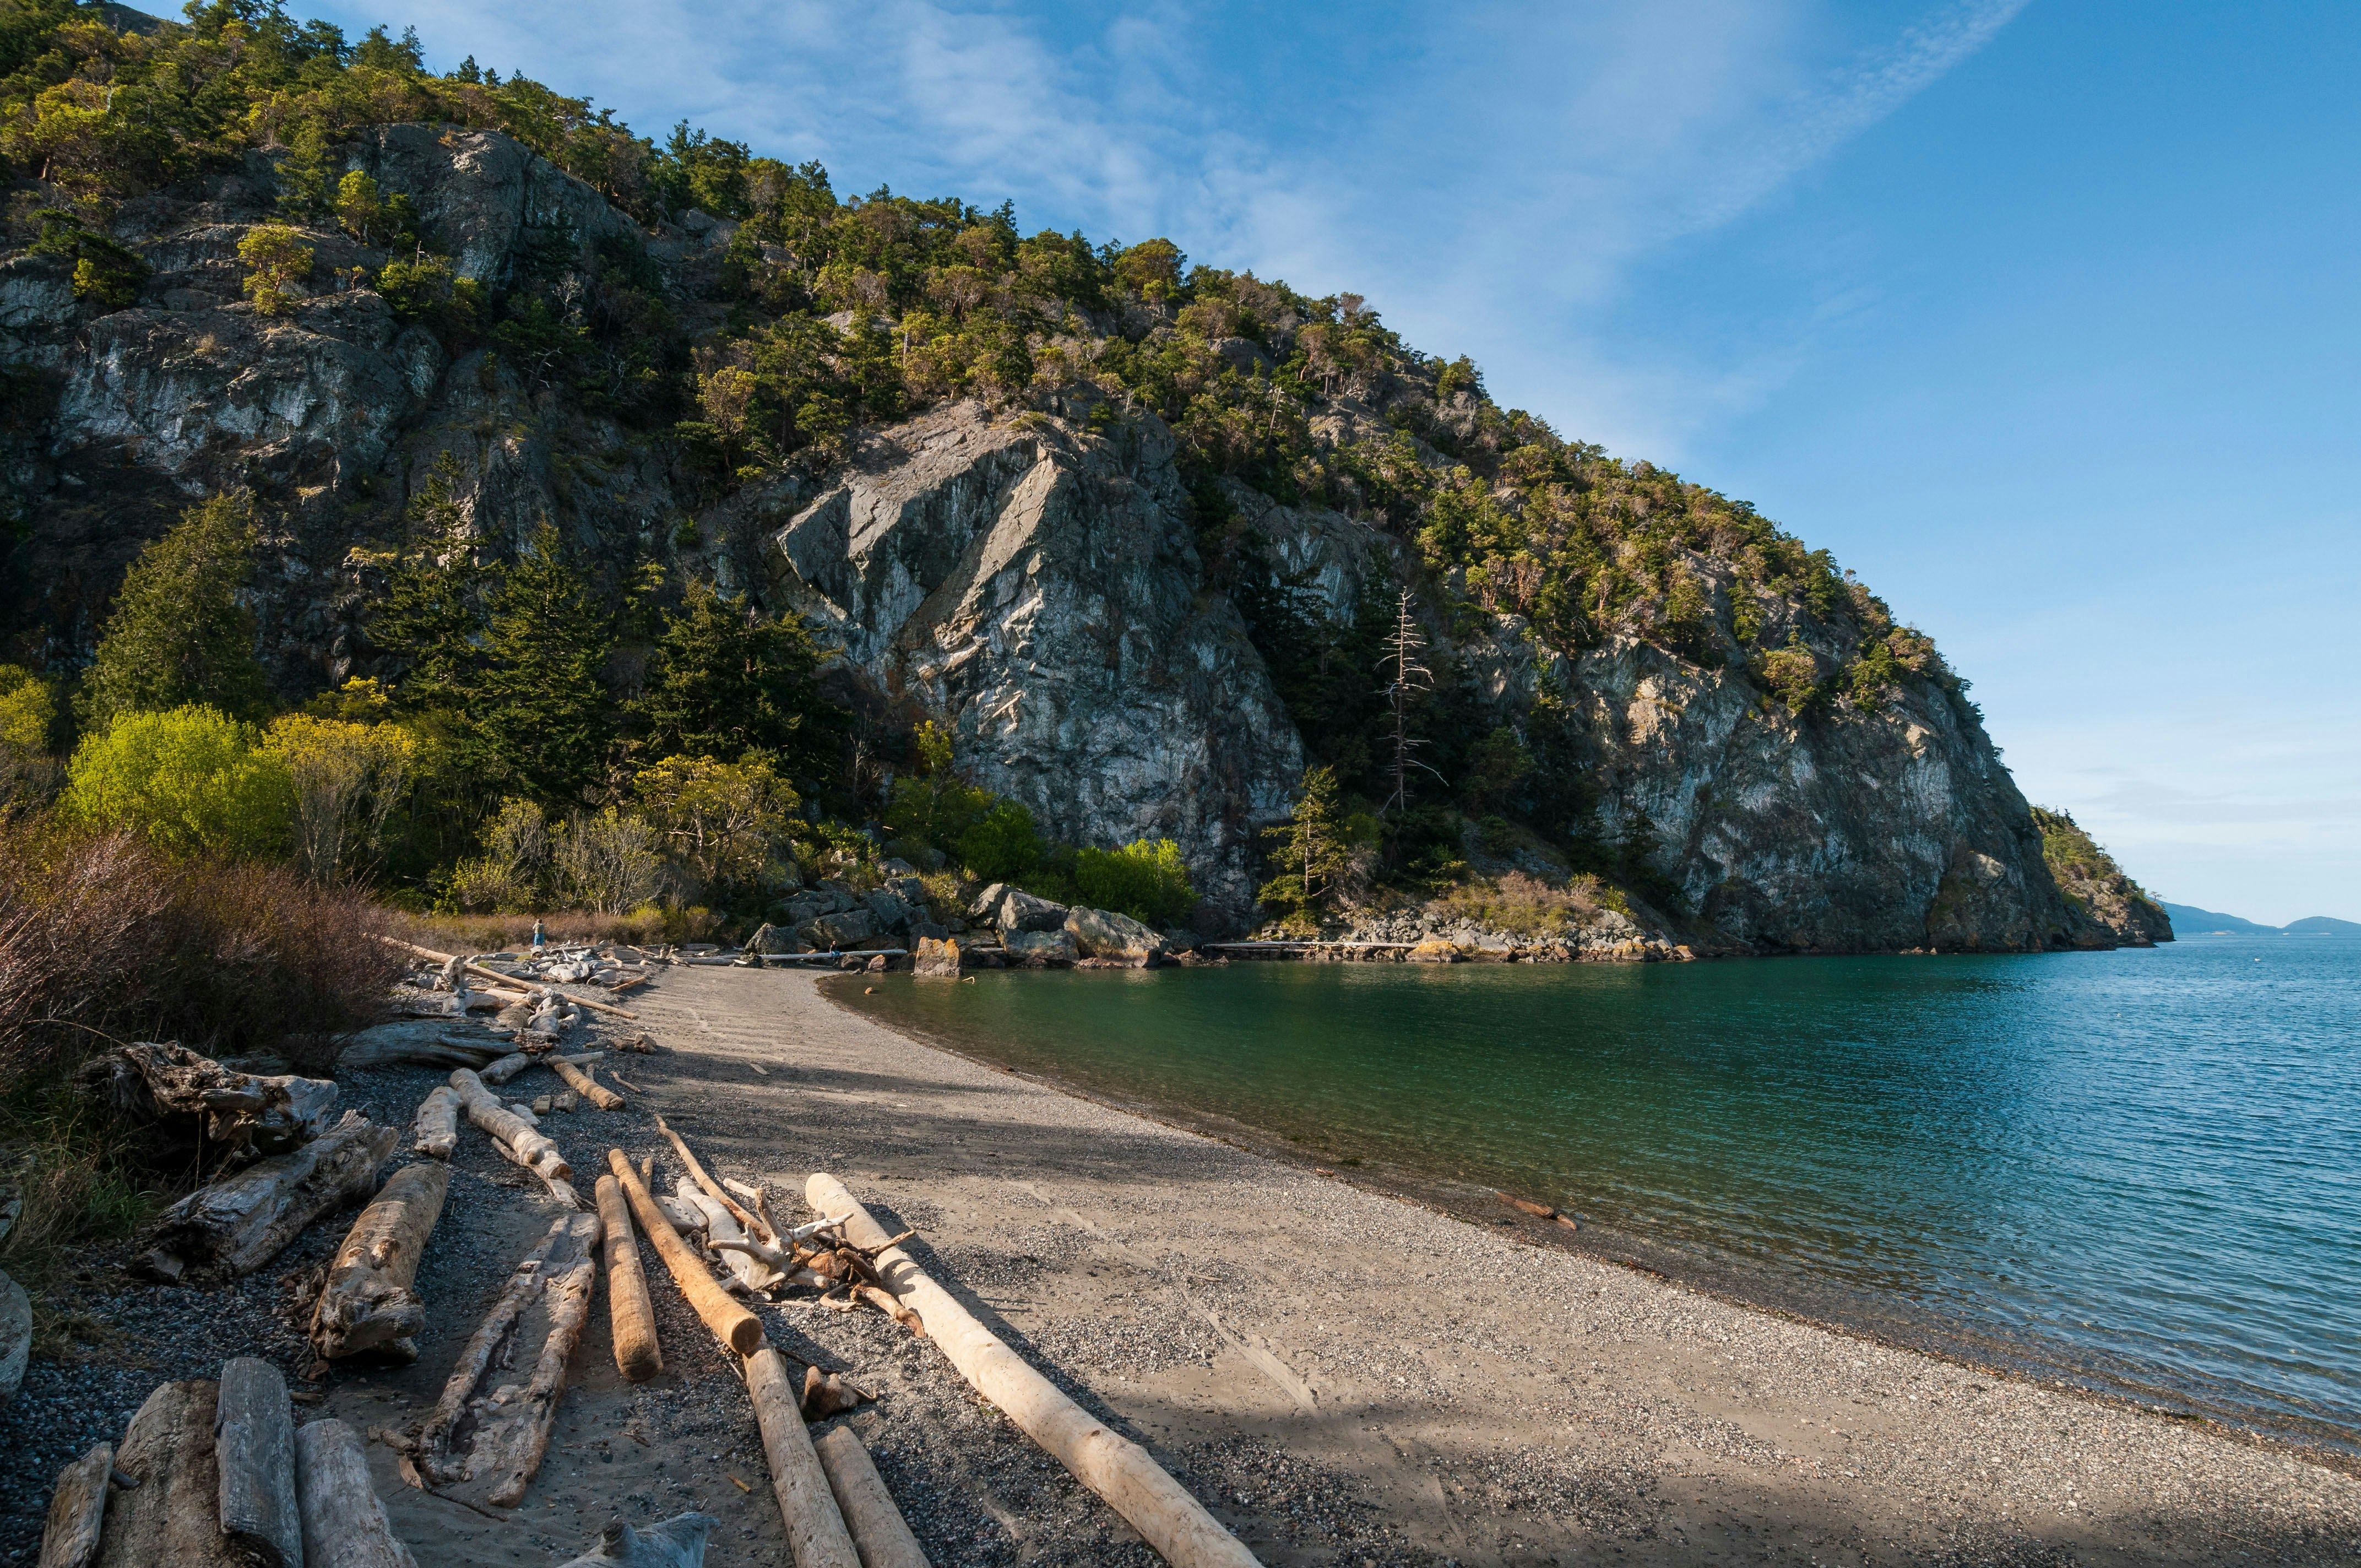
(771, 939)
(1103, 933)
(888, 910)
(937, 957)
(803, 909)
(1020, 911)
(922, 929)
(848, 930)
(1035, 948)
(908, 889)
(1435, 950)
(897, 868)
(987, 903)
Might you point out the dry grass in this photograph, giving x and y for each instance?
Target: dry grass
(1529, 906)
(509, 933)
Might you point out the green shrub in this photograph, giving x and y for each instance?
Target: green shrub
(1004, 847)
(1145, 881)
(190, 782)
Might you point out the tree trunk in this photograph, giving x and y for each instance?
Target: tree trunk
(732, 1324)
(239, 1223)
(437, 1128)
(76, 1508)
(630, 1316)
(1171, 1521)
(816, 1531)
(590, 1088)
(173, 1514)
(254, 1446)
(344, 1524)
(484, 1109)
(879, 1531)
(367, 1303)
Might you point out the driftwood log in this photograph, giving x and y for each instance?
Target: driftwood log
(723, 1235)
(505, 1436)
(630, 1316)
(240, 1222)
(173, 1513)
(435, 1131)
(879, 1533)
(748, 1222)
(344, 1524)
(180, 1103)
(254, 1448)
(732, 1323)
(1134, 1485)
(428, 1042)
(816, 1530)
(369, 1302)
(590, 1088)
(516, 1136)
(677, 1542)
(15, 1337)
(76, 1508)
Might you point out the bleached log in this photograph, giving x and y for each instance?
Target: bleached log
(173, 1514)
(879, 1531)
(508, 1067)
(788, 1269)
(686, 1218)
(484, 1108)
(752, 1272)
(632, 1317)
(561, 1191)
(237, 1224)
(76, 1508)
(590, 1088)
(747, 1222)
(816, 1531)
(177, 1100)
(254, 1449)
(435, 1130)
(677, 1542)
(1134, 1485)
(344, 1524)
(510, 1432)
(732, 1323)
(500, 978)
(367, 1303)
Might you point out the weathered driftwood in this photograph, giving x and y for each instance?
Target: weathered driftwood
(826, 1394)
(677, 1542)
(1171, 1521)
(76, 1508)
(534, 1152)
(816, 1531)
(686, 1218)
(747, 1222)
(15, 1336)
(879, 1531)
(749, 1273)
(788, 1268)
(732, 1323)
(632, 1317)
(240, 1222)
(427, 1042)
(579, 1000)
(508, 1067)
(179, 1101)
(561, 1191)
(254, 1449)
(367, 1303)
(501, 1439)
(173, 1514)
(590, 1088)
(344, 1524)
(435, 1130)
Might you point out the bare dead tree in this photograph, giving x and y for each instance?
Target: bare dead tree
(1410, 678)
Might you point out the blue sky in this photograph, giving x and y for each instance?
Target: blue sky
(2041, 316)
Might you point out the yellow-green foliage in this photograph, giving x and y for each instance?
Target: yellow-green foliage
(345, 778)
(277, 262)
(1148, 881)
(28, 711)
(192, 780)
(725, 821)
(1532, 908)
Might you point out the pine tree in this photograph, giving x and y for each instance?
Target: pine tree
(432, 614)
(177, 633)
(541, 718)
(728, 682)
(1311, 851)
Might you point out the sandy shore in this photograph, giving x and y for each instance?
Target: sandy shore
(1344, 1377)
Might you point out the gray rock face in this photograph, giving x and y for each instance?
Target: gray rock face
(1103, 933)
(1020, 911)
(846, 930)
(1038, 947)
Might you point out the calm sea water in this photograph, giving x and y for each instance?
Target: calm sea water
(2140, 1170)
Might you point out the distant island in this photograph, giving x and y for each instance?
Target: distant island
(2188, 920)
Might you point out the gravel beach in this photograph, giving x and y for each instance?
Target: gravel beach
(1344, 1377)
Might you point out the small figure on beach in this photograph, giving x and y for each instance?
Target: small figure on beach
(540, 937)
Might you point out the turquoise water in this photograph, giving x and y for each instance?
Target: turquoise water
(2139, 1170)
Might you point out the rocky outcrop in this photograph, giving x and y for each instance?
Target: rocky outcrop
(2097, 887)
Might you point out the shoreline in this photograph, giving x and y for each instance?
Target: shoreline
(1858, 1312)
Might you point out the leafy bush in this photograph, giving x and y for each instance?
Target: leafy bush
(28, 712)
(1530, 907)
(190, 782)
(608, 861)
(1147, 881)
(345, 779)
(723, 821)
(1003, 846)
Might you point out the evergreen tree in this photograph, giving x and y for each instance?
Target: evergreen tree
(540, 719)
(177, 634)
(728, 682)
(432, 613)
(1312, 852)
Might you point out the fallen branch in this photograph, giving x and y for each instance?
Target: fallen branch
(344, 1524)
(714, 1189)
(254, 1448)
(562, 1190)
(1118, 1470)
(367, 1303)
(630, 1316)
(790, 1271)
(732, 1323)
(237, 1224)
(879, 1532)
(590, 1088)
(816, 1530)
(751, 1273)
(518, 1138)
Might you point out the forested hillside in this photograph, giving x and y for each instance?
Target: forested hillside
(659, 483)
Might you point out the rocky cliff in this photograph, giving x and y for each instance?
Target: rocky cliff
(1101, 568)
